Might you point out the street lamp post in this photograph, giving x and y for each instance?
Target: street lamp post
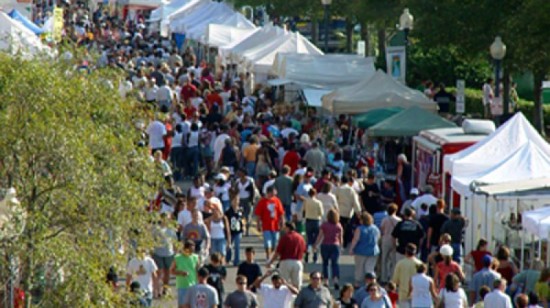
(498, 51)
(326, 4)
(406, 22)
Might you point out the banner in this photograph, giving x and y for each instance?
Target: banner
(57, 32)
(396, 62)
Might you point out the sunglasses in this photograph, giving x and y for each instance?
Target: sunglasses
(316, 278)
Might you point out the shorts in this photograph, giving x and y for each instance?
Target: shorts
(163, 262)
(181, 296)
(270, 239)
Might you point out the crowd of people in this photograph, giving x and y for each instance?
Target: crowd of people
(309, 185)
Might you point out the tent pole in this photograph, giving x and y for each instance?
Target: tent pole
(486, 221)
(522, 253)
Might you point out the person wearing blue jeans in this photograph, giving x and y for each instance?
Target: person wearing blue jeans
(331, 237)
(313, 213)
(235, 217)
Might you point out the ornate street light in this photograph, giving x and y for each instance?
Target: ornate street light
(498, 52)
(406, 23)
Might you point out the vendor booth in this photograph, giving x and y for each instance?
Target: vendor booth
(378, 91)
(408, 123)
(515, 152)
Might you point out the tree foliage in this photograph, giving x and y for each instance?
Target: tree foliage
(68, 147)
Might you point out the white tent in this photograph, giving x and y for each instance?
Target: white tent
(537, 222)
(175, 17)
(165, 10)
(15, 38)
(527, 162)
(201, 16)
(328, 71)
(227, 18)
(498, 146)
(266, 34)
(260, 60)
(223, 35)
(377, 91)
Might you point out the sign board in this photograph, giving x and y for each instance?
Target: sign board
(460, 96)
(361, 48)
(396, 62)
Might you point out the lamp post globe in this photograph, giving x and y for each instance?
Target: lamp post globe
(406, 21)
(326, 2)
(498, 49)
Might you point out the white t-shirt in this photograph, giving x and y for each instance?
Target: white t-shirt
(151, 93)
(222, 191)
(219, 144)
(275, 298)
(142, 272)
(487, 94)
(164, 93)
(497, 299)
(177, 140)
(428, 199)
(456, 299)
(185, 218)
(421, 296)
(156, 131)
(287, 131)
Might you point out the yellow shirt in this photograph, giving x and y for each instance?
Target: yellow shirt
(313, 209)
(402, 274)
(249, 153)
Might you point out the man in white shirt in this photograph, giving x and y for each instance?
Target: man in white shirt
(277, 295)
(427, 198)
(185, 216)
(156, 132)
(142, 269)
(164, 97)
(219, 143)
(498, 298)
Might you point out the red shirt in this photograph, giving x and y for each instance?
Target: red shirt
(291, 159)
(188, 91)
(291, 246)
(270, 211)
(478, 255)
(167, 141)
(215, 98)
(189, 111)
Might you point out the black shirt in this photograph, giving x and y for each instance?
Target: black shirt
(371, 202)
(235, 219)
(407, 231)
(215, 279)
(251, 271)
(436, 222)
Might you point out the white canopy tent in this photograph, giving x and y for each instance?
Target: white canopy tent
(498, 146)
(223, 35)
(328, 71)
(233, 52)
(162, 12)
(177, 16)
(212, 12)
(232, 19)
(260, 60)
(537, 222)
(377, 91)
(16, 39)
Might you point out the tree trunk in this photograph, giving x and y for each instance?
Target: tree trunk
(382, 46)
(538, 117)
(349, 35)
(365, 37)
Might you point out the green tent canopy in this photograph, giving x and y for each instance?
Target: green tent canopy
(409, 123)
(375, 116)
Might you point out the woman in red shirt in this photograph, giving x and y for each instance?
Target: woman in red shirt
(475, 257)
(447, 266)
(291, 158)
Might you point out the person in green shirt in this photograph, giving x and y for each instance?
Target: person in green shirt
(185, 268)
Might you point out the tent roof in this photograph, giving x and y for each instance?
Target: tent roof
(25, 21)
(528, 162)
(378, 91)
(322, 71)
(266, 34)
(177, 20)
(537, 222)
(516, 188)
(223, 35)
(313, 97)
(375, 116)
(499, 145)
(261, 59)
(228, 18)
(212, 12)
(16, 38)
(409, 123)
(164, 10)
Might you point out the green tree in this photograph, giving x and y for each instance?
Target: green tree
(68, 147)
